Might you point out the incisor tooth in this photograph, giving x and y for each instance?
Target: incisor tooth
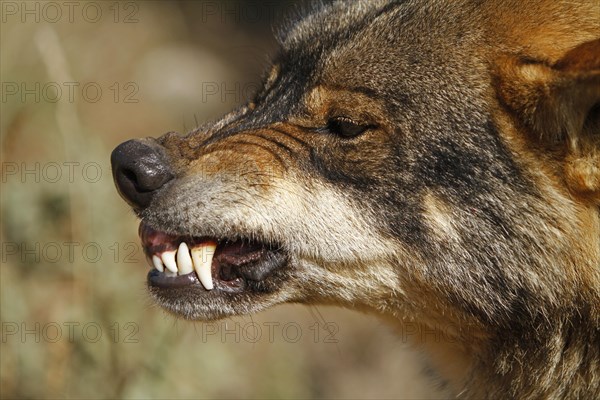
(168, 258)
(184, 261)
(157, 262)
(202, 256)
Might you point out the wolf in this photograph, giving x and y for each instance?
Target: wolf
(433, 162)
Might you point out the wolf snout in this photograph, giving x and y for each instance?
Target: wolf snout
(140, 168)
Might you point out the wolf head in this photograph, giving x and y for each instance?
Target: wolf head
(432, 161)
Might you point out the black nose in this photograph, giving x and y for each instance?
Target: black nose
(140, 168)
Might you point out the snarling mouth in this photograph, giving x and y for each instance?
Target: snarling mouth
(223, 264)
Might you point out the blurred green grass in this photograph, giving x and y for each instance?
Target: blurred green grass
(169, 61)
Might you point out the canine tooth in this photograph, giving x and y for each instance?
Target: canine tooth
(184, 261)
(168, 258)
(202, 257)
(157, 262)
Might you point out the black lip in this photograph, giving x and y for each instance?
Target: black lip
(157, 279)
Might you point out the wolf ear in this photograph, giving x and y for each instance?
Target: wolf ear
(559, 105)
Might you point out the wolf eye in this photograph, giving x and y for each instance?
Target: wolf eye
(345, 127)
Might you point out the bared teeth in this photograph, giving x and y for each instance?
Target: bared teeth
(157, 262)
(184, 261)
(202, 256)
(168, 258)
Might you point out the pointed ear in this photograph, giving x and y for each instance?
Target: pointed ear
(559, 105)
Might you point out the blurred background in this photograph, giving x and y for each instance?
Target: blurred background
(78, 78)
